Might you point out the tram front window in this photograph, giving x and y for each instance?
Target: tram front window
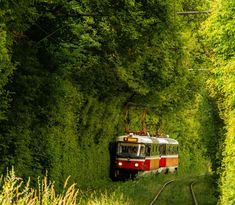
(131, 150)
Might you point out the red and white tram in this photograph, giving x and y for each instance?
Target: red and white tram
(142, 153)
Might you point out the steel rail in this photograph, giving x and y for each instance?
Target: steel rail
(158, 194)
(168, 182)
(193, 194)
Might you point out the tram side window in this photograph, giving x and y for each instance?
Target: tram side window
(152, 149)
(168, 150)
(162, 149)
(176, 149)
(158, 149)
(173, 149)
(142, 151)
(148, 149)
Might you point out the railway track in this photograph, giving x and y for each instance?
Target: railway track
(171, 200)
(193, 194)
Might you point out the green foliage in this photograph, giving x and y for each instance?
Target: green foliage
(6, 69)
(205, 190)
(219, 31)
(186, 129)
(212, 130)
(78, 64)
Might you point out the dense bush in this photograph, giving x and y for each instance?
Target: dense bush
(77, 66)
(220, 38)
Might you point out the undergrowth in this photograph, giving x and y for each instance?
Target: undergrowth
(15, 192)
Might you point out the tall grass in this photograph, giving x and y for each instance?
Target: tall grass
(13, 191)
(108, 199)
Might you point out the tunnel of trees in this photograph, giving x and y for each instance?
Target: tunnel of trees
(69, 68)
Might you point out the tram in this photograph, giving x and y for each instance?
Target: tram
(136, 153)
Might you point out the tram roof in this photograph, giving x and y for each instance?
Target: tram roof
(146, 139)
(167, 140)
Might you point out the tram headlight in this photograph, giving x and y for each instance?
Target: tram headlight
(136, 164)
(120, 164)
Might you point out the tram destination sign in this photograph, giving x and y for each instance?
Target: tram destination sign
(130, 139)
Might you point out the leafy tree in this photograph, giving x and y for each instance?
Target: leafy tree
(78, 64)
(219, 30)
